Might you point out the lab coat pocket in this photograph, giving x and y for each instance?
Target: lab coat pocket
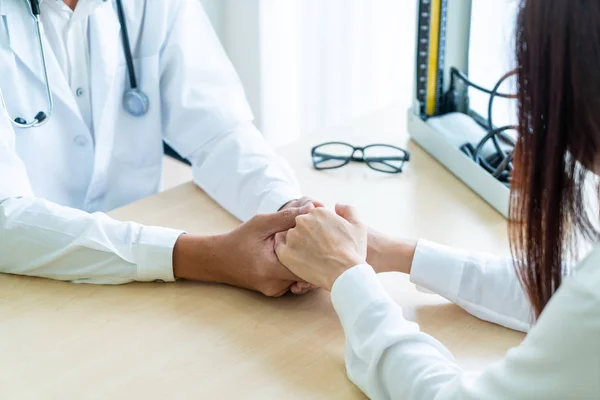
(129, 184)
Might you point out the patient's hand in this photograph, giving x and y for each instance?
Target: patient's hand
(323, 245)
(302, 287)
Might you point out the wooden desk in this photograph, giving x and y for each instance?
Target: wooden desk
(202, 341)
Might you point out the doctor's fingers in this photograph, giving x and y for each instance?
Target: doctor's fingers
(282, 220)
(307, 200)
(300, 288)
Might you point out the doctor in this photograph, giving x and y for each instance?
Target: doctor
(123, 76)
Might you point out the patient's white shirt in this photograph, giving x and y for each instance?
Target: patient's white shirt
(388, 357)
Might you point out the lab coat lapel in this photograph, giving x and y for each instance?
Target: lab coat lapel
(106, 54)
(25, 45)
(105, 58)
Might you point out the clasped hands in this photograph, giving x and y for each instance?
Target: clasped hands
(314, 248)
(300, 247)
(323, 244)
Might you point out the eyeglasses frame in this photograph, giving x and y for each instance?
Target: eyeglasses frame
(353, 157)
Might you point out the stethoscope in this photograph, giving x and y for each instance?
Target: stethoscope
(135, 101)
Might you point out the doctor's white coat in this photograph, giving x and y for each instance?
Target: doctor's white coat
(54, 176)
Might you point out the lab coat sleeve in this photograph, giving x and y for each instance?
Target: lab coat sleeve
(207, 120)
(40, 238)
(389, 357)
(485, 286)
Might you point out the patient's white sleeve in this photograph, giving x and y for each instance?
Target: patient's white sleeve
(485, 286)
(388, 357)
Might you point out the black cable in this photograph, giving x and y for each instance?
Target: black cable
(482, 122)
(456, 73)
(494, 93)
(486, 164)
(504, 165)
(498, 164)
(490, 135)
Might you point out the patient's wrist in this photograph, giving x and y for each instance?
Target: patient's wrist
(347, 261)
(386, 254)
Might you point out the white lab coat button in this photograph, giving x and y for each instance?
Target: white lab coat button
(81, 141)
(79, 92)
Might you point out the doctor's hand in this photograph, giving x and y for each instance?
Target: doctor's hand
(244, 257)
(323, 245)
(298, 203)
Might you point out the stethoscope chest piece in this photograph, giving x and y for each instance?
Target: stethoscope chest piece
(136, 102)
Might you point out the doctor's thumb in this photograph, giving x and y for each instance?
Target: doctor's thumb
(348, 213)
(285, 219)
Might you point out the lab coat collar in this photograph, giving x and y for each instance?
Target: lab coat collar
(83, 10)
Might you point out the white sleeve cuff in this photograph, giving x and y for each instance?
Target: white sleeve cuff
(154, 254)
(354, 291)
(438, 268)
(277, 198)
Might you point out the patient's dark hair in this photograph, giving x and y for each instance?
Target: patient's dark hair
(558, 84)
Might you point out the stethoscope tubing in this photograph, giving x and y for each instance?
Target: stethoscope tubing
(42, 117)
(48, 114)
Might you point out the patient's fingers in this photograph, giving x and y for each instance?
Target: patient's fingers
(349, 213)
(318, 204)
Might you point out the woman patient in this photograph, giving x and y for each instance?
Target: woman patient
(558, 58)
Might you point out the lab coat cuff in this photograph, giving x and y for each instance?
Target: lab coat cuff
(438, 269)
(155, 254)
(277, 198)
(354, 291)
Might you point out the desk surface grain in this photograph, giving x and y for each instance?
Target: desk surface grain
(204, 341)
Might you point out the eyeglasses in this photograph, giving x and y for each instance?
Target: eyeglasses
(380, 157)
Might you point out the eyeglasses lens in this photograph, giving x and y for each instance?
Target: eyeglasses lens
(332, 155)
(385, 158)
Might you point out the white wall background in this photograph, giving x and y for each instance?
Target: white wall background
(310, 64)
(491, 55)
